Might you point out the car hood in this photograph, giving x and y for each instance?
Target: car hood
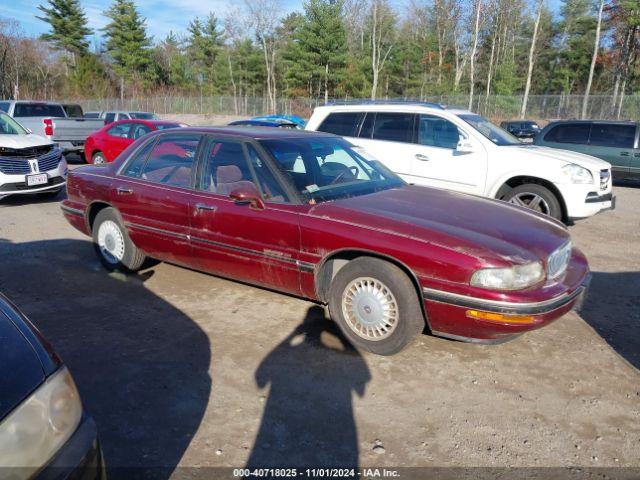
(538, 152)
(23, 141)
(21, 372)
(494, 232)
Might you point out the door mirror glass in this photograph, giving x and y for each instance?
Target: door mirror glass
(247, 195)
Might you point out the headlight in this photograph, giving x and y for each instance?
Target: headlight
(512, 278)
(40, 425)
(577, 174)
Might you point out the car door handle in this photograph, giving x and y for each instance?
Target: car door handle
(421, 157)
(204, 206)
(124, 191)
(624, 154)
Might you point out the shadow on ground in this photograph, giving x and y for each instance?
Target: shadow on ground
(141, 365)
(612, 308)
(308, 418)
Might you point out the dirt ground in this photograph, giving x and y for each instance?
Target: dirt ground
(184, 369)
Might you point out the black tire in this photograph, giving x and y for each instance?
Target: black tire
(98, 158)
(409, 320)
(132, 257)
(529, 192)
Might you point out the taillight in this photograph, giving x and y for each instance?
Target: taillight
(48, 127)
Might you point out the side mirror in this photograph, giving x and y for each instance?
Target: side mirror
(247, 196)
(465, 146)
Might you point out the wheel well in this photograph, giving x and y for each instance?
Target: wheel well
(94, 209)
(332, 264)
(522, 180)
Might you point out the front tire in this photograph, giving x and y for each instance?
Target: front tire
(376, 305)
(537, 198)
(112, 243)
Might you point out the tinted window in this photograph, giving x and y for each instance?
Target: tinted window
(4, 106)
(121, 130)
(73, 111)
(134, 166)
(37, 110)
(344, 124)
(608, 135)
(109, 118)
(570, 133)
(92, 115)
(171, 161)
(139, 130)
(395, 127)
(367, 125)
(437, 132)
(143, 115)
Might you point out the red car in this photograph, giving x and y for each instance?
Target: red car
(307, 214)
(111, 140)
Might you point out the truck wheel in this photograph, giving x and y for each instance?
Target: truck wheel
(98, 158)
(536, 197)
(112, 243)
(375, 305)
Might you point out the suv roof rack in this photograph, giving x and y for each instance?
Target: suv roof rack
(385, 102)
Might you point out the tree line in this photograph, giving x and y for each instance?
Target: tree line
(333, 49)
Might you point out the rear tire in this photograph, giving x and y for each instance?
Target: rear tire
(376, 305)
(537, 198)
(97, 158)
(112, 243)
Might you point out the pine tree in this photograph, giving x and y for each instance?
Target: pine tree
(127, 41)
(204, 47)
(68, 24)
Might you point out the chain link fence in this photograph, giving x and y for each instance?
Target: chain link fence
(497, 107)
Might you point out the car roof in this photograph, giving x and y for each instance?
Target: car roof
(257, 133)
(610, 122)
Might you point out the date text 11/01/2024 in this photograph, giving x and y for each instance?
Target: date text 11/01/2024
(364, 473)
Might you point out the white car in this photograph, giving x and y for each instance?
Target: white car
(28, 163)
(427, 144)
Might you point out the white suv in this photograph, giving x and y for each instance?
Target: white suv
(427, 144)
(28, 163)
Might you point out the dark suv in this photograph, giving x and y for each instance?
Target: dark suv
(614, 142)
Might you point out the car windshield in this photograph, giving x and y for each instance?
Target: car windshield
(142, 115)
(8, 126)
(323, 169)
(494, 133)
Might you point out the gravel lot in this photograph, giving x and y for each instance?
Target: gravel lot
(185, 369)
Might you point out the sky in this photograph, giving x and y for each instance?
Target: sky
(161, 15)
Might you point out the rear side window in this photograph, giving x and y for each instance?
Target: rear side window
(570, 133)
(171, 161)
(611, 135)
(344, 124)
(73, 111)
(4, 107)
(139, 130)
(37, 110)
(394, 127)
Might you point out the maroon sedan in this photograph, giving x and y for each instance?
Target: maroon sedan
(110, 141)
(307, 214)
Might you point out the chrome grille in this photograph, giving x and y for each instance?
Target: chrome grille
(559, 260)
(605, 176)
(20, 165)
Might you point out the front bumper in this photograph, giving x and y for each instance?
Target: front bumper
(79, 458)
(450, 314)
(16, 184)
(583, 201)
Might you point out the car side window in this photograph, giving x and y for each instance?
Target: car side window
(121, 130)
(569, 133)
(434, 131)
(225, 168)
(136, 162)
(394, 127)
(109, 118)
(4, 107)
(269, 186)
(171, 160)
(612, 135)
(344, 124)
(139, 130)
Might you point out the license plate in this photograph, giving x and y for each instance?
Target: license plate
(39, 179)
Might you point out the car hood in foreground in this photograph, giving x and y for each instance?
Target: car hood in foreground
(22, 141)
(538, 152)
(21, 371)
(492, 231)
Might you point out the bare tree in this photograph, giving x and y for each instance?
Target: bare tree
(382, 28)
(532, 49)
(474, 49)
(264, 18)
(596, 47)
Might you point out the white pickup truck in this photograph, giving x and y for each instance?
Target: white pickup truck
(427, 144)
(51, 121)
